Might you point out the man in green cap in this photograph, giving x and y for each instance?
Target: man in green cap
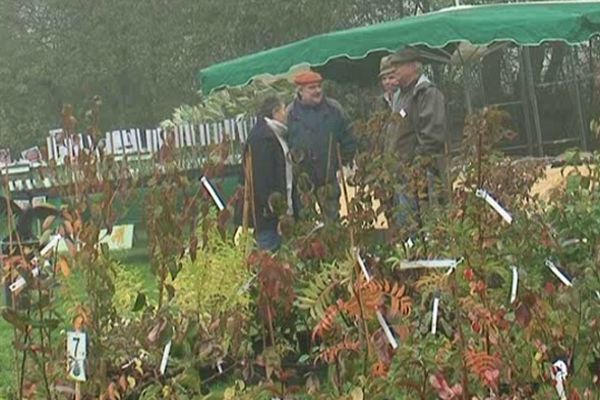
(422, 109)
(389, 84)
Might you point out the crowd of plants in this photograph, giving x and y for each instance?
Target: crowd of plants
(307, 322)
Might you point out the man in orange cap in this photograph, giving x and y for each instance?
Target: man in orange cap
(317, 126)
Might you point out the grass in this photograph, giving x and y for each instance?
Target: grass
(134, 262)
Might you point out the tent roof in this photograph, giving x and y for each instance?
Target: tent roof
(522, 23)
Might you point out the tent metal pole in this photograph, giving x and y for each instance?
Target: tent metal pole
(525, 103)
(575, 83)
(534, 103)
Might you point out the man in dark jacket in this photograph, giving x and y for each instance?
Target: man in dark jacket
(422, 133)
(317, 125)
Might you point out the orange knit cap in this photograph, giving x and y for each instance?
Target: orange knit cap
(307, 77)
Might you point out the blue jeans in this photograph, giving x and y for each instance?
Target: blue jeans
(268, 239)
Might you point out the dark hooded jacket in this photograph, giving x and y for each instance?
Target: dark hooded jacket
(313, 135)
(268, 173)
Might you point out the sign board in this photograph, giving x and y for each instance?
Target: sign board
(121, 237)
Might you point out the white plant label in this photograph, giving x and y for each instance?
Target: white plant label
(494, 204)
(165, 357)
(442, 263)
(363, 266)
(21, 282)
(434, 314)
(76, 353)
(386, 330)
(35, 272)
(557, 272)
(213, 193)
(515, 284)
(559, 374)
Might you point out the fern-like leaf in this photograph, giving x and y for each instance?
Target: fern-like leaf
(330, 354)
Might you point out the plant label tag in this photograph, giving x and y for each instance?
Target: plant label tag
(515, 284)
(560, 274)
(52, 245)
(571, 242)
(386, 330)
(213, 193)
(76, 353)
(165, 357)
(402, 113)
(442, 263)
(559, 373)
(363, 266)
(434, 313)
(220, 366)
(21, 282)
(494, 204)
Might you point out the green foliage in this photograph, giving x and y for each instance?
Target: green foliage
(216, 283)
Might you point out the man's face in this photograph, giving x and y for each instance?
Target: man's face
(389, 83)
(406, 73)
(312, 93)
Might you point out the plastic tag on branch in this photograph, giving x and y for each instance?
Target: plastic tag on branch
(246, 286)
(20, 282)
(362, 265)
(558, 272)
(386, 330)
(514, 284)
(76, 353)
(213, 193)
(483, 194)
(435, 311)
(572, 242)
(440, 263)
(559, 373)
(165, 357)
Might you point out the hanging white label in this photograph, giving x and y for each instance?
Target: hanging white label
(402, 113)
(386, 330)
(213, 193)
(220, 366)
(21, 282)
(362, 265)
(559, 374)
(515, 284)
(35, 272)
(557, 272)
(442, 263)
(76, 353)
(571, 242)
(434, 313)
(165, 357)
(494, 204)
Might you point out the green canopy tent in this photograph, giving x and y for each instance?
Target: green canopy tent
(521, 23)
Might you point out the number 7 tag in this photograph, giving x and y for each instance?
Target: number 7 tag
(76, 354)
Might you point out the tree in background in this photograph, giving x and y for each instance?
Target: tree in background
(142, 57)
